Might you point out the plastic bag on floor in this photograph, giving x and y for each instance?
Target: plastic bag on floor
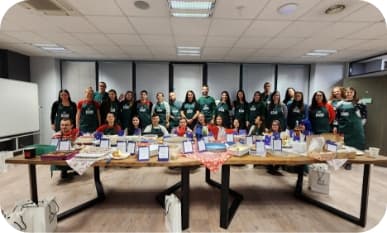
(172, 213)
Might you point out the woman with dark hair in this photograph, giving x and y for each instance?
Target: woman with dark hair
(127, 110)
(224, 109)
(257, 107)
(321, 113)
(62, 108)
(351, 117)
(258, 128)
(241, 109)
(289, 96)
(276, 111)
(190, 109)
(297, 110)
(135, 127)
(110, 127)
(110, 105)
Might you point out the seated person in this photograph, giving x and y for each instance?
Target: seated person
(218, 130)
(67, 132)
(155, 127)
(182, 129)
(135, 127)
(259, 126)
(275, 131)
(201, 129)
(111, 127)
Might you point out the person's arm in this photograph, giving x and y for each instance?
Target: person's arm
(285, 111)
(98, 113)
(54, 109)
(247, 113)
(213, 107)
(148, 129)
(78, 116)
(153, 110)
(164, 130)
(197, 111)
(168, 111)
(251, 130)
(331, 113)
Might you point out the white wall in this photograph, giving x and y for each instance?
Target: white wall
(222, 77)
(324, 77)
(187, 77)
(254, 76)
(117, 75)
(45, 72)
(295, 76)
(152, 77)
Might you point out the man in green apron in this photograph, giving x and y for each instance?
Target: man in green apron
(162, 109)
(101, 95)
(174, 106)
(155, 127)
(144, 107)
(88, 116)
(207, 105)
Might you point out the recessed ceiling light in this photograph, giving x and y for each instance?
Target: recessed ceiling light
(317, 54)
(191, 5)
(287, 9)
(188, 51)
(142, 5)
(45, 45)
(56, 49)
(325, 50)
(335, 9)
(191, 15)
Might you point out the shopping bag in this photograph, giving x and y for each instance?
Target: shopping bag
(319, 178)
(4, 155)
(172, 215)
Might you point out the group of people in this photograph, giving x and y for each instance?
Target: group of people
(101, 111)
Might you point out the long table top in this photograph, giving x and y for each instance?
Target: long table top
(182, 161)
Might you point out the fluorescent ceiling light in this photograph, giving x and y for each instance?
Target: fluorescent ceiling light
(191, 5)
(191, 15)
(45, 45)
(287, 9)
(325, 50)
(54, 48)
(188, 51)
(185, 47)
(317, 54)
(188, 54)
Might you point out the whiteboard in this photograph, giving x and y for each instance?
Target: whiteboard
(19, 111)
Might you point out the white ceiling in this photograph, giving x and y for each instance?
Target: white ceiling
(239, 30)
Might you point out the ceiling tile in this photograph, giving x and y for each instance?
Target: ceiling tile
(151, 25)
(282, 42)
(93, 38)
(195, 27)
(61, 38)
(224, 27)
(125, 39)
(266, 28)
(158, 40)
(27, 37)
(340, 44)
(240, 53)
(214, 52)
(340, 29)
(71, 23)
(370, 45)
(5, 38)
(111, 24)
(11, 25)
(374, 31)
(303, 29)
(156, 8)
(163, 51)
(317, 13)
(81, 49)
(32, 22)
(270, 12)
(368, 13)
(192, 41)
(107, 49)
(267, 52)
(251, 42)
(220, 42)
(140, 51)
(90, 7)
(238, 9)
(313, 43)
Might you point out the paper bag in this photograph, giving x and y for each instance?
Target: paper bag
(319, 179)
(172, 213)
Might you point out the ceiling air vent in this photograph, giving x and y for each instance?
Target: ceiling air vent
(50, 7)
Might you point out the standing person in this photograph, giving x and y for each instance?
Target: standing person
(241, 109)
(135, 126)
(257, 107)
(88, 117)
(155, 127)
(321, 113)
(127, 110)
(174, 106)
(62, 108)
(207, 105)
(351, 117)
(162, 109)
(110, 127)
(224, 109)
(297, 110)
(101, 95)
(276, 110)
(289, 96)
(190, 109)
(182, 129)
(110, 105)
(266, 92)
(338, 94)
(144, 107)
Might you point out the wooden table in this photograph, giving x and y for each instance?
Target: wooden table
(182, 162)
(227, 211)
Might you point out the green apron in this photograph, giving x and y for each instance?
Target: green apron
(207, 107)
(63, 112)
(157, 131)
(162, 112)
(88, 119)
(256, 109)
(175, 112)
(241, 113)
(110, 131)
(319, 120)
(223, 110)
(144, 113)
(114, 108)
(189, 110)
(351, 126)
(276, 114)
(295, 115)
(126, 114)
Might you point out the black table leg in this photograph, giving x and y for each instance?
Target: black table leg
(100, 197)
(185, 197)
(33, 183)
(361, 221)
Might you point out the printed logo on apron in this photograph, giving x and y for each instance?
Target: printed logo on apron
(206, 108)
(89, 112)
(296, 110)
(112, 110)
(241, 110)
(126, 107)
(221, 109)
(142, 109)
(65, 115)
(253, 108)
(319, 114)
(189, 111)
(344, 114)
(175, 111)
(274, 112)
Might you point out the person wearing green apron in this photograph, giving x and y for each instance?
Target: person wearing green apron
(101, 95)
(241, 109)
(88, 117)
(297, 110)
(62, 108)
(224, 109)
(144, 107)
(155, 127)
(162, 109)
(321, 113)
(190, 109)
(207, 105)
(174, 106)
(338, 94)
(350, 117)
(110, 105)
(127, 110)
(266, 93)
(110, 127)
(276, 110)
(257, 107)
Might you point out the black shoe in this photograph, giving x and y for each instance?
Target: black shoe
(274, 172)
(65, 176)
(348, 166)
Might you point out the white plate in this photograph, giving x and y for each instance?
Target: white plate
(122, 156)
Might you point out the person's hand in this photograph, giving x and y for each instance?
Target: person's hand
(53, 127)
(247, 124)
(334, 130)
(189, 121)
(212, 121)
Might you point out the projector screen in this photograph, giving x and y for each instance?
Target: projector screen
(19, 108)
